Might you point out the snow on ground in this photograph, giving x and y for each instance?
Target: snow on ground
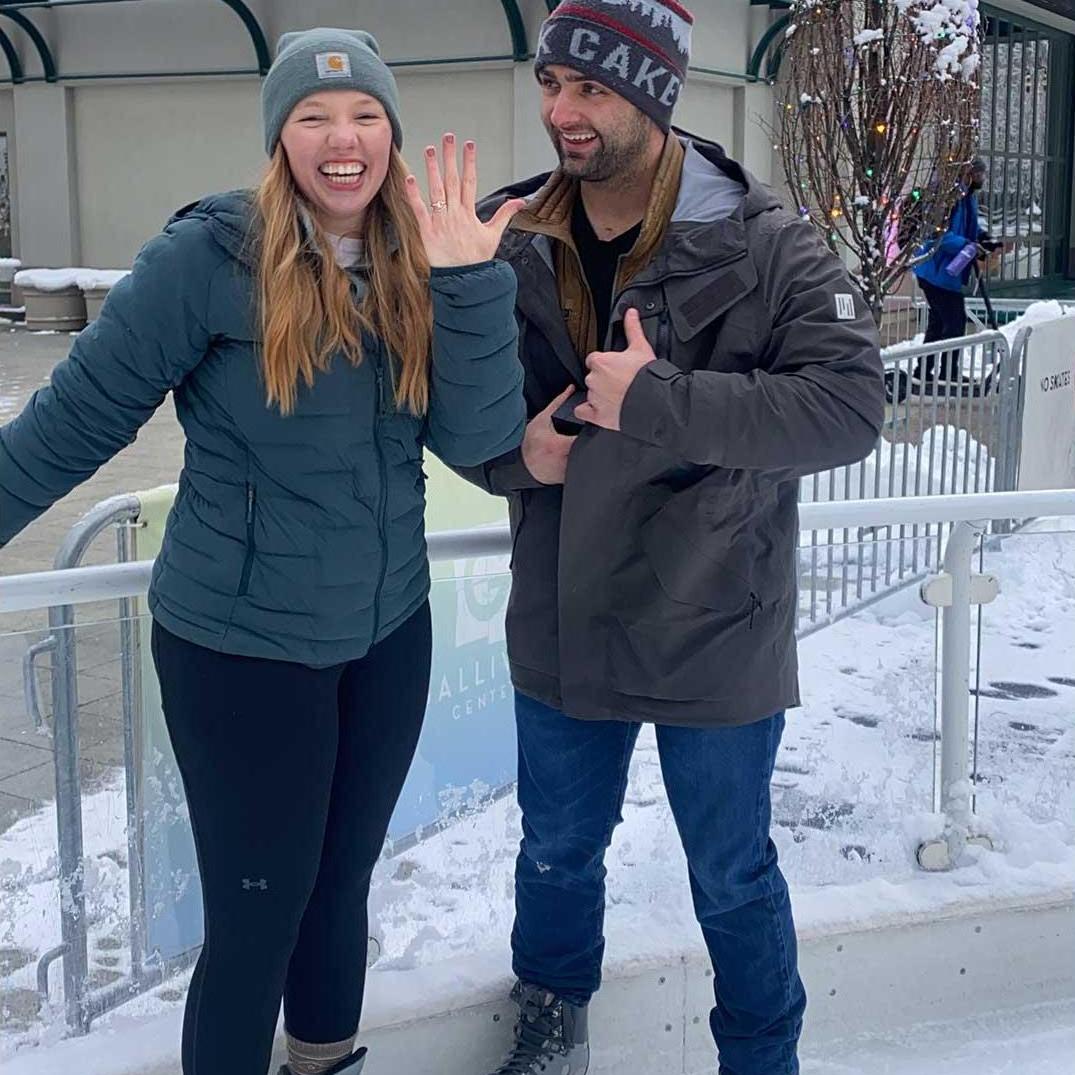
(853, 795)
(1041, 1040)
(853, 790)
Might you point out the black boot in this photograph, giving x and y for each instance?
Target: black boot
(349, 1065)
(552, 1035)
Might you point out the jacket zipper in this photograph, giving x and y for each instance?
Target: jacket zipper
(663, 349)
(248, 562)
(383, 495)
(755, 606)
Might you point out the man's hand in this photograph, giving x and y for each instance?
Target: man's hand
(612, 373)
(545, 451)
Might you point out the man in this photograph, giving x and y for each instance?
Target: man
(945, 274)
(724, 353)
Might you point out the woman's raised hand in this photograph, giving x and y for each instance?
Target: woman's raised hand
(451, 230)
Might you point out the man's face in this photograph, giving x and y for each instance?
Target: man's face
(977, 178)
(598, 134)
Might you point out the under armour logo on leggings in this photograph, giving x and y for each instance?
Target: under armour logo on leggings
(261, 883)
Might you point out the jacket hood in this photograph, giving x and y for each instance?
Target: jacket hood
(228, 218)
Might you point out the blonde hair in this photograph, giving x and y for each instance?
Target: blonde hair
(305, 305)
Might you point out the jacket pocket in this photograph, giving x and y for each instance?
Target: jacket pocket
(689, 616)
(248, 560)
(695, 563)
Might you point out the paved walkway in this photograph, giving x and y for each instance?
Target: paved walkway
(26, 760)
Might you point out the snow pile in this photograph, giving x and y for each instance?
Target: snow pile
(48, 279)
(99, 279)
(1035, 314)
(67, 279)
(868, 37)
(947, 460)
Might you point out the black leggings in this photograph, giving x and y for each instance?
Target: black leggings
(291, 775)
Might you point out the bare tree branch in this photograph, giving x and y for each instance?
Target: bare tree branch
(878, 119)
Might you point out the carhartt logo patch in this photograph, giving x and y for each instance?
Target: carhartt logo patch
(333, 65)
(845, 308)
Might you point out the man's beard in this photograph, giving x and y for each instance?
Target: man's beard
(618, 160)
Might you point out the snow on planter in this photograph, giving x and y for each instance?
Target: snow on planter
(54, 301)
(95, 285)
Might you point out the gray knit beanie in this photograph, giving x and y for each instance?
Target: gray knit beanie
(325, 59)
(639, 49)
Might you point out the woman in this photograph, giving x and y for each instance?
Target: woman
(315, 335)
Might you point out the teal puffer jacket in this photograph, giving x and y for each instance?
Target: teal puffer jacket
(298, 538)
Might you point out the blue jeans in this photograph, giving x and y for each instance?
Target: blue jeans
(572, 781)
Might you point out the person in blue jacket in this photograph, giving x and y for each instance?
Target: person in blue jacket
(946, 273)
(316, 334)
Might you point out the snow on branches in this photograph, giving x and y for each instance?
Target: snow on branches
(878, 118)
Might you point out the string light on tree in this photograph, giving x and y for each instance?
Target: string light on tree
(862, 82)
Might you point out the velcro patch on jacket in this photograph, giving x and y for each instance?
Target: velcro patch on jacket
(845, 308)
(702, 304)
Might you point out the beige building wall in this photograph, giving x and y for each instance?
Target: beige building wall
(133, 131)
(143, 152)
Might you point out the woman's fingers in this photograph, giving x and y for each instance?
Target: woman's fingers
(418, 207)
(470, 175)
(437, 199)
(451, 170)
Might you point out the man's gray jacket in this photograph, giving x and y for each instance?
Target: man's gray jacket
(659, 582)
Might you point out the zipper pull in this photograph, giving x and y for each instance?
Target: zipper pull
(755, 605)
(249, 503)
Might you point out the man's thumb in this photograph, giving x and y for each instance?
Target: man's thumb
(632, 327)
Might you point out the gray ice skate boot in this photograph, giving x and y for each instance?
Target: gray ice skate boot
(551, 1036)
(349, 1065)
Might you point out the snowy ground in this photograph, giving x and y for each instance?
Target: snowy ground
(853, 795)
(1041, 1040)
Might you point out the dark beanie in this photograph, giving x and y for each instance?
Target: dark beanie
(325, 59)
(639, 49)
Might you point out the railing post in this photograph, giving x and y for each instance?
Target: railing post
(954, 592)
(68, 778)
(69, 816)
(130, 651)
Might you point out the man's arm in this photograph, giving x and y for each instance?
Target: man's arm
(816, 400)
(540, 460)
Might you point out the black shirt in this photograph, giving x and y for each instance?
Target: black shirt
(600, 260)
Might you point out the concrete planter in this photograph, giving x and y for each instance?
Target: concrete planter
(95, 299)
(8, 268)
(57, 311)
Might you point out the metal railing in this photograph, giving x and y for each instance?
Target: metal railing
(62, 590)
(905, 316)
(941, 436)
